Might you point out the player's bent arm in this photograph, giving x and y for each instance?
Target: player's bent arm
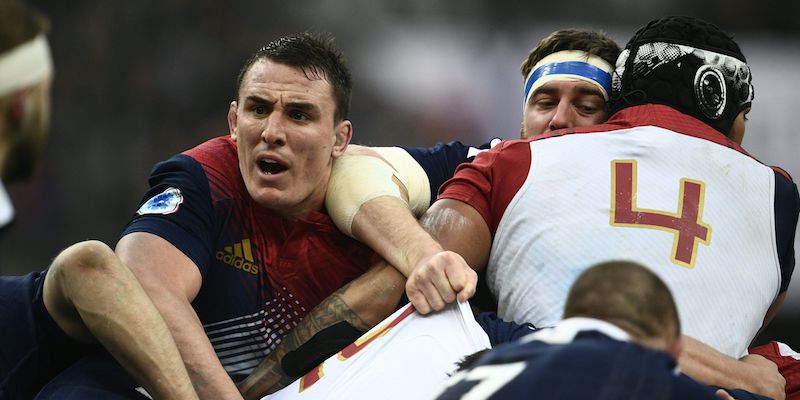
(386, 225)
(752, 373)
(706, 365)
(440, 278)
(375, 196)
(362, 303)
(93, 297)
(172, 281)
(377, 207)
(458, 227)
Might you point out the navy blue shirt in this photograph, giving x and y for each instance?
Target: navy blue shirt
(589, 366)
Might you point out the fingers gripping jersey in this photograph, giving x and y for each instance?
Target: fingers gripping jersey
(652, 186)
(261, 273)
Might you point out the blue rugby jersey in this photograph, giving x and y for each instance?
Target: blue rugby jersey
(261, 273)
(576, 362)
(440, 161)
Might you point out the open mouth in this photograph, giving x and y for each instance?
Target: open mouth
(270, 167)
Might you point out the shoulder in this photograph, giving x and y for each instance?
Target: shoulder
(787, 199)
(508, 155)
(219, 161)
(218, 151)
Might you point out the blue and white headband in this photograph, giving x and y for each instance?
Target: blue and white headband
(26, 64)
(569, 65)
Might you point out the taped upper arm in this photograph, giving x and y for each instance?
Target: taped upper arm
(369, 173)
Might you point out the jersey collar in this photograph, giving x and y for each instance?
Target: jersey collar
(566, 330)
(669, 118)
(652, 115)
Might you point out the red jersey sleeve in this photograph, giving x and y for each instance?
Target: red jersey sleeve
(490, 181)
(788, 362)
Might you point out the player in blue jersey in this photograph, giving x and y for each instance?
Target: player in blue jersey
(619, 339)
(232, 241)
(86, 296)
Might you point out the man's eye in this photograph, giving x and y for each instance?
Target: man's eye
(298, 115)
(589, 107)
(545, 103)
(260, 110)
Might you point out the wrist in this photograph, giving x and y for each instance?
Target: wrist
(420, 253)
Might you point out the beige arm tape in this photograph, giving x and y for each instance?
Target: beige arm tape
(357, 179)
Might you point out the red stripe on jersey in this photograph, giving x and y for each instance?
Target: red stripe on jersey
(480, 183)
(363, 342)
(782, 172)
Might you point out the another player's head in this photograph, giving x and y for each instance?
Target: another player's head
(26, 72)
(289, 120)
(690, 65)
(567, 81)
(631, 297)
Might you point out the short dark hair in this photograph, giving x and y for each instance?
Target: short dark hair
(628, 295)
(19, 23)
(596, 43)
(317, 56)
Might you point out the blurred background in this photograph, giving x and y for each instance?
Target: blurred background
(138, 81)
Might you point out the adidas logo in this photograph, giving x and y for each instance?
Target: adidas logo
(239, 256)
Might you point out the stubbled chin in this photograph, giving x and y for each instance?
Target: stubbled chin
(264, 192)
(272, 201)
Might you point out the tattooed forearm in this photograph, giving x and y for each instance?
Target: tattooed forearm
(269, 375)
(332, 310)
(362, 303)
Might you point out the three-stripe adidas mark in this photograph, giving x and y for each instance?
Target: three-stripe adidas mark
(239, 256)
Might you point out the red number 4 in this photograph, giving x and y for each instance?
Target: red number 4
(687, 224)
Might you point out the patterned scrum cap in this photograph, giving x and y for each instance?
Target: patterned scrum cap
(688, 64)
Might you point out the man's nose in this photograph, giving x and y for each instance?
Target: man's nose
(273, 133)
(564, 116)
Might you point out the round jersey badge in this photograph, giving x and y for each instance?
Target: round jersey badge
(166, 202)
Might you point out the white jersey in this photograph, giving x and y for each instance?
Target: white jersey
(407, 356)
(697, 212)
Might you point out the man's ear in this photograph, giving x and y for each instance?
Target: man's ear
(343, 132)
(232, 120)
